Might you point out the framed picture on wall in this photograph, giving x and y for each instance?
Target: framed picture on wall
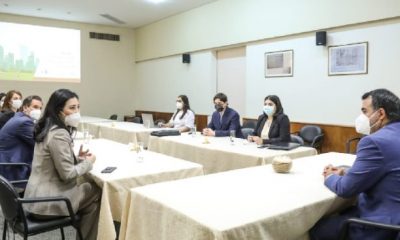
(348, 59)
(279, 64)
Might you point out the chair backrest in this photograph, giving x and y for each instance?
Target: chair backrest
(249, 123)
(8, 200)
(114, 117)
(349, 143)
(309, 132)
(246, 132)
(137, 120)
(296, 139)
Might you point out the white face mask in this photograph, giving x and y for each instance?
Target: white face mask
(179, 105)
(16, 103)
(73, 119)
(35, 114)
(363, 125)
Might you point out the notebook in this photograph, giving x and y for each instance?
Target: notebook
(283, 146)
(148, 120)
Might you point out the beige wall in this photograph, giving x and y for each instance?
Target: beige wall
(228, 22)
(107, 70)
(160, 81)
(313, 96)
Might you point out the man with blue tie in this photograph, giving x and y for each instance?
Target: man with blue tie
(223, 120)
(16, 138)
(374, 176)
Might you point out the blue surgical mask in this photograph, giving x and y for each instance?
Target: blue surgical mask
(269, 110)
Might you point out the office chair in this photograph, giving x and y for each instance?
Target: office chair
(6, 166)
(23, 223)
(296, 139)
(366, 223)
(246, 132)
(312, 136)
(349, 142)
(137, 120)
(249, 123)
(114, 117)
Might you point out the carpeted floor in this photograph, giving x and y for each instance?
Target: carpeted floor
(53, 235)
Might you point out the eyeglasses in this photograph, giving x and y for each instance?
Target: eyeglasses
(178, 100)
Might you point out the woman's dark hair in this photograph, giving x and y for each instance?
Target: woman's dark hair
(7, 105)
(2, 95)
(51, 115)
(186, 106)
(383, 98)
(277, 102)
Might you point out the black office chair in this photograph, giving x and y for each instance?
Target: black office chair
(114, 117)
(370, 224)
(349, 143)
(23, 223)
(296, 139)
(246, 132)
(249, 123)
(7, 167)
(312, 136)
(137, 120)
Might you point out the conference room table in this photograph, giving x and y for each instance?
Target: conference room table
(218, 154)
(88, 119)
(251, 203)
(123, 132)
(131, 171)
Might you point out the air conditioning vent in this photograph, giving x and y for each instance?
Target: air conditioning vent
(104, 36)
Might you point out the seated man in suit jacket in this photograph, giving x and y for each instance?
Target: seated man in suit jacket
(16, 138)
(223, 120)
(375, 174)
(273, 125)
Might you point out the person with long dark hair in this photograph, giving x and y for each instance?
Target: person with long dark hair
(12, 103)
(56, 169)
(273, 125)
(183, 118)
(2, 98)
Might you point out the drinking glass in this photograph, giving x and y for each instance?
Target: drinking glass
(86, 136)
(232, 136)
(193, 131)
(139, 152)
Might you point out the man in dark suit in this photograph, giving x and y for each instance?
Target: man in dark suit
(375, 174)
(223, 120)
(16, 138)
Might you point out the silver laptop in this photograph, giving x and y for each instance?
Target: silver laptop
(148, 120)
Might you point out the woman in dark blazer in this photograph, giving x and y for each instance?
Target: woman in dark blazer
(273, 125)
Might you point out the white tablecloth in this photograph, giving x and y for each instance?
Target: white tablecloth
(87, 119)
(251, 203)
(129, 173)
(219, 154)
(123, 132)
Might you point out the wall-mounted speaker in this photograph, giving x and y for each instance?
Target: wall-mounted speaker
(186, 58)
(320, 38)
